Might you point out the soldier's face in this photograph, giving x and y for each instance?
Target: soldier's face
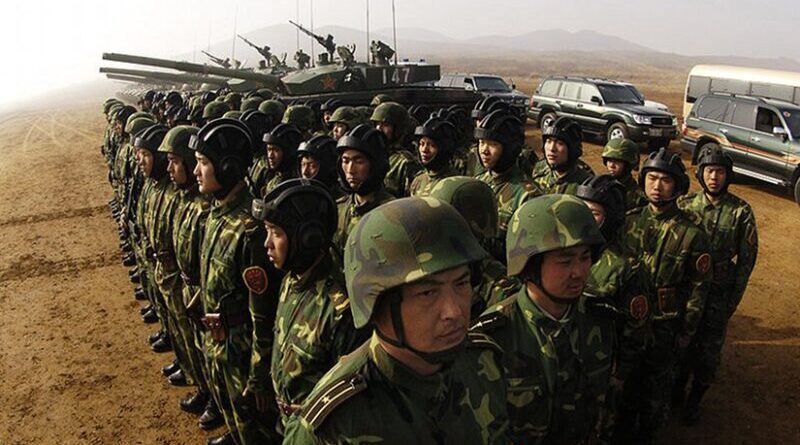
(274, 156)
(556, 152)
(309, 167)
(615, 167)
(435, 311)
(145, 159)
(355, 166)
(387, 129)
(326, 116)
(565, 271)
(658, 186)
(204, 172)
(176, 169)
(489, 151)
(118, 127)
(277, 245)
(598, 211)
(427, 150)
(339, 129)
(715, 177)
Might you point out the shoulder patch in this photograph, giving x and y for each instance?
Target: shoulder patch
(703, 263)
(342, 199)
(255, 278)
(250, 226)
(332, 397)
(481, 340)
(639, 307)
(635, 210)
(339, 299)
(488, 321)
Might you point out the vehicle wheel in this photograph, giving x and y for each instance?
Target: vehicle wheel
(547, 120)
(797, 191)
(617, 130)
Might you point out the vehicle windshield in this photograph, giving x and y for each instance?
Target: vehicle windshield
(635, 92)
(618, 94)
(792, 118)
(491, 84)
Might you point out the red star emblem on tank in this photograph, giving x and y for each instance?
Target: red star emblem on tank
(328, 82)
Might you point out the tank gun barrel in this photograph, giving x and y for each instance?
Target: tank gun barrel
(263, 80)
(137, 79)
(169, 77)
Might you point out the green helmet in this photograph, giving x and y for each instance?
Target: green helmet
(623, 149)
(302, 116)
(273, 108)
(379, 99)
(250, 104)
(233, 114)
(176, 141)
(137, 115)
(473, 199)
(348, 116)
(109, 103)
(401, 242)
(548, 223)
(214, 110)
(392, 113)
(112, 111)
(265, 93)
(134, 126)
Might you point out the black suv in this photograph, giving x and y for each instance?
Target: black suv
(605, 108)
(488, 85)
(761, 135)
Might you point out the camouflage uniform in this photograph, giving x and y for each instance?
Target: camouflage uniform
(259, 175)
(403, 166)
(547, 180)
(572, 172)
(350, 213)
(634, 195)
(557, 369)
(371, 396)
(627, 151)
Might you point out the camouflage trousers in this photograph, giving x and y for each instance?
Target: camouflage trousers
(705, 352)
(171, 288)
(229, 366)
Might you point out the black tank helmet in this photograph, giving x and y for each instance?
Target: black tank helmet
(712, 154)
(506, 129)
(150, 139)
(671, 164)
(568, 131)
(305, 210)
(286, 137)
(207, 97)
(372, 143)
(259, 124)
(609, 193)
(174, 98)
(481, 108)
(227, 144)
(323, 150)
(444, 135)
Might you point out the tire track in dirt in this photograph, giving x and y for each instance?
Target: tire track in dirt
(64, 214)
(29, 266)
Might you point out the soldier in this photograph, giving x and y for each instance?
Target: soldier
(559, 171)
(274, 109)
(327, 109)
(302, 117)
(363, 163)
(344, 119)
(302, 59)
(621, 158)
(259, 124)
(558, 345)
(147, 100)
(238, 286)
(674, 255)
(731, 226)
(215, 109)
(251, 103)
(500, 139)
(421, 378)
(392, 120)
(474, 200)
(282, 143)
(314, 326)
(380, 99)
(316, 159)
(437, 138)
(620, 283)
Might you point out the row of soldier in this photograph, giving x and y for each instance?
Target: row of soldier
(336, 274)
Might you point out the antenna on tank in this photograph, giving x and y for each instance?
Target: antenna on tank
(394, 32)
(311, 13)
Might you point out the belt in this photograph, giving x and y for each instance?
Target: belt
(218, 324)
(287, 409)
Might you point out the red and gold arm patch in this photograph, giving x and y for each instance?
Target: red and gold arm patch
(255, 278)
(703, 263)
(639, 307)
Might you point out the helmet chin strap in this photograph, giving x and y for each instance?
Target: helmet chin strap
(537, 280)
(434, 358)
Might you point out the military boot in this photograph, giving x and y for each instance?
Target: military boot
(129, 260)
(139, 295)
(150, 316)
(194, 403)
(211, 418)
(691, 414)
(163, 344)
(225, 439)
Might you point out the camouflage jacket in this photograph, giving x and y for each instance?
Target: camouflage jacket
(426, 180)
(467, 162)
(370, 397)
(557, 370)
(731, 229)
(511, 189)
(350, 213)
(236, 282)
(259, 175)
(187, 234)
(634, 195)
(403, 167)
(495, 286)
(621, 283)
(313, 329)
(160, 228)
(275, 178)
(674, 255)
(568, 184)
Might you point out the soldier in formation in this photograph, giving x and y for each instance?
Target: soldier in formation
(307, 299)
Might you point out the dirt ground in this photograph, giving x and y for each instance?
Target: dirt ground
(75, 367)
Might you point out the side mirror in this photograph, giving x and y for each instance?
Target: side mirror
(780, 131)
(597, 100)
(513, 85)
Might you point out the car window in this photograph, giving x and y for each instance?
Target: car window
(485, 83)
(550, 88)
(744, 115)
(792, 118)
(766, 120)
(570, 90)
(698, 85)
(733, 86)
(468, 81)
(618, 94)
(713, 108)
(780, 92)
(587, 91)
(446, 80)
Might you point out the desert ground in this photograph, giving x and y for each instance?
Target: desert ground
(75, 367)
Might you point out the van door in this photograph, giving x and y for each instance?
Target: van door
(766, 151)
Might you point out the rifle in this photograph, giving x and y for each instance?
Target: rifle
(326, 42)
(221, 62)
(260, 50)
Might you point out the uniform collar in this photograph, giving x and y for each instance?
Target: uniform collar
(509, 175)
(319, 270)
(538, 317)
(666, 214)
(430, 387)
(235, 198)
(378, 198)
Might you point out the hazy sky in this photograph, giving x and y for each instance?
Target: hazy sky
(57, 43)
